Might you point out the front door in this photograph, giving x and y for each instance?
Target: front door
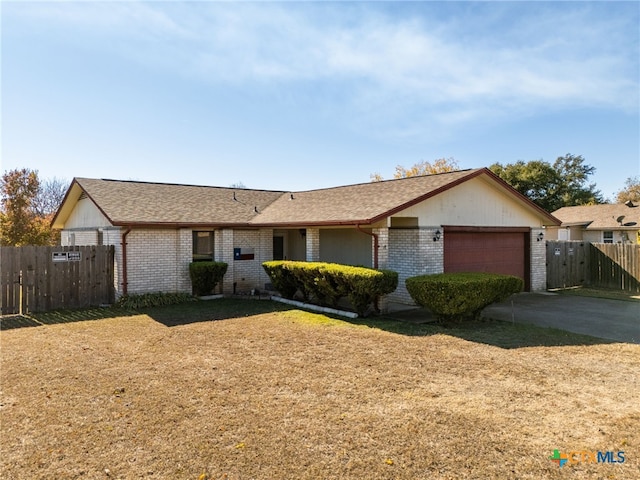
(278, 248)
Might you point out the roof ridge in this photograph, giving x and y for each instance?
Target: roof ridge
(183, 185)
(413, 177)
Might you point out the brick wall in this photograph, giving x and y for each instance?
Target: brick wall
(158, 260)
(413, 252)
(383, 248)
(223, 252)
(249, 274)
(245, 274)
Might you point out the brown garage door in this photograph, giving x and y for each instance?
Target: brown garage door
(490, 251)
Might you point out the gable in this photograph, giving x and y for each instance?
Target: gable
(477, 202)
(86, 214)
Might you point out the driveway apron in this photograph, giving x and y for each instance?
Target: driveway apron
(603, 318)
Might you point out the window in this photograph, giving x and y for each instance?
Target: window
(607, 237)
(202, 246)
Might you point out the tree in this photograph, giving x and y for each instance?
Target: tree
(50, 196)
(631, 191)
(562, 184)
(536, 180)
(574, 174)
(20, 224)
(441, 165)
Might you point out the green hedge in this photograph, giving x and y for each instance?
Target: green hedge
(282, 277)
(454, 296)
(327, 283)
(205, 276)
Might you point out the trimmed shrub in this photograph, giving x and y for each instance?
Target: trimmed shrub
(365, 286)
(319, 282)
(282, 277)
(327, 283)
(206, 275)
(454, 296)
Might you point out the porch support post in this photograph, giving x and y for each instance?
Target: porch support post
(313, 244)
(538, 259)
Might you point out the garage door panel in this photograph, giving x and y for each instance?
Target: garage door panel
(490, 252)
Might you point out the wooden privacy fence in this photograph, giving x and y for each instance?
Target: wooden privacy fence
(615, 266)
(38, 279)
(578, 263)
(567, 264)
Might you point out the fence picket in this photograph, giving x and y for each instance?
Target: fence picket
(50, 285)
(576, 263)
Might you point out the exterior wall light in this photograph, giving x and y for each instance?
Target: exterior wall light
(437, 236)
(539, 237)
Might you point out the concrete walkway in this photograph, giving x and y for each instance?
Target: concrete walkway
(603, 318)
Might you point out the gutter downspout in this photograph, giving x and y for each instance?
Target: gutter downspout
(376, 245)
(125, 281)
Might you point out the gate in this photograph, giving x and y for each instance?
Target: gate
(567, 263)
(38, 279)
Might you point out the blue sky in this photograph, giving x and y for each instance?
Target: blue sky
(296, 96)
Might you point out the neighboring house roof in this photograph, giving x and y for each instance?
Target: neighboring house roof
(600, 217)
(141, 203)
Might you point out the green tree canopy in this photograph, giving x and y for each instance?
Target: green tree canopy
(563, 184)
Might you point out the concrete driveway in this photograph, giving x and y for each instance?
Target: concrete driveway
(609, 319)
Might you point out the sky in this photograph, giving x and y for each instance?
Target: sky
(305, 95)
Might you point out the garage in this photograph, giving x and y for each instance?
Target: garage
(487, 249)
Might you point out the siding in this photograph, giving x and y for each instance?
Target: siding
(473, 203)
(345, 246)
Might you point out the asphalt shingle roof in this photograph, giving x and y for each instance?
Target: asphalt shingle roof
(136, 203)
(599, 217)
(361, 203)
(125, 202)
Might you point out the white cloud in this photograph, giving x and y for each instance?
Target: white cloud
(403, 65)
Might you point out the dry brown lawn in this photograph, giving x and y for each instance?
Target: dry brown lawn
(293, 395)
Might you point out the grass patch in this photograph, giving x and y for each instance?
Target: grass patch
(599, 293)
(273, 392)
(491, 332)
(206, 310)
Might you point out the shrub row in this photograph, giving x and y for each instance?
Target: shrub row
(327, 283)
(205, 276)
(156, 299)
(454, 296)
